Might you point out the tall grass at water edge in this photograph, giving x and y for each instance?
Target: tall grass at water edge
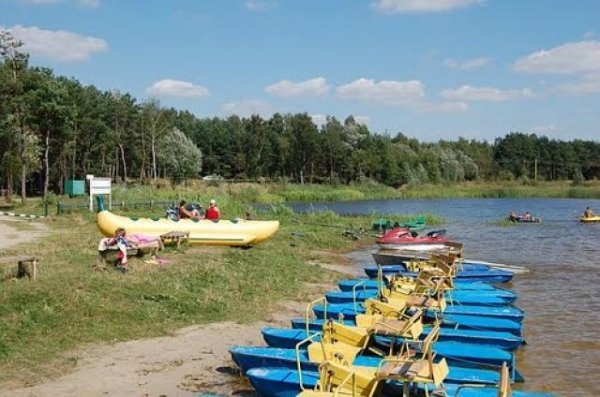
(236, 198)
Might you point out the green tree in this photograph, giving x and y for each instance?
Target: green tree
(12, 94)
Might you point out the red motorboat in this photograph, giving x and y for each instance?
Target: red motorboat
(401, 238)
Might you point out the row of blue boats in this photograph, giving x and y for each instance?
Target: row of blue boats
(428, 328)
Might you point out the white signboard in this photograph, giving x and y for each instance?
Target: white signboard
(99, 186)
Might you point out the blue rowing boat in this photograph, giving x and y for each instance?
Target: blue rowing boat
(285, 382)
(474, 298)
(365, 283)
(349, 310)
(248, 357)
(490, 275)
(464, 354)
(448, 320)
(501, 340)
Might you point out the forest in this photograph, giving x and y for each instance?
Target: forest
(54, 128)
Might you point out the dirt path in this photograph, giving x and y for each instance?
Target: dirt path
(14, 231)
(192, 362)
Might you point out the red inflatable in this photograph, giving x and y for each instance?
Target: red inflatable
(404, 238)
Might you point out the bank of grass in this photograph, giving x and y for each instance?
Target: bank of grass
(71, 305)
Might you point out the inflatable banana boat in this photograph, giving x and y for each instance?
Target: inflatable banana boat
(239, 233)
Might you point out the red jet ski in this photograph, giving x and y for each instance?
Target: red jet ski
(404, 239)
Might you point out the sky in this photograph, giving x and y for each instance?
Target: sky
(431, 69)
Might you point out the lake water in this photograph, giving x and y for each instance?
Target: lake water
(561, 295)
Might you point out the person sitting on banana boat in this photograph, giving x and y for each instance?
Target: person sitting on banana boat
(588, 213)
(186, 213)
(212, 212)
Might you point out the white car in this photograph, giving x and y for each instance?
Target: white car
(212, 178)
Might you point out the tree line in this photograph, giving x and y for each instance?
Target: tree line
(54, 128)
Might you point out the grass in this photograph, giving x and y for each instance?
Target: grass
(72, 305)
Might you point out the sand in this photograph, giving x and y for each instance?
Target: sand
(11, 233)
(191, 362)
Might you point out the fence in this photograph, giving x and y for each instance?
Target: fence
(66, 207)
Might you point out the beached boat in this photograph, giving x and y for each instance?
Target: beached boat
(476, 298)
(286, 382)
(365, 283)
(349, 310)
(487, 275)
(385, 257)
(458, 356)
(402, 238)
(282, 337)
(239, 232)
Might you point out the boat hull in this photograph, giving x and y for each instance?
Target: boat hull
(474, 298)
(349, 310)
(589, 219)
(490, 275)
(493, 323)
(248, 357)
(369, 284)
(239, 233)
(501, 340)
(412, 247)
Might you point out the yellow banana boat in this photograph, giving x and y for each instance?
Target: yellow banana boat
(238, 233)
(590, 219)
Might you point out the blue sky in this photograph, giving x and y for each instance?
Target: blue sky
(431, 69)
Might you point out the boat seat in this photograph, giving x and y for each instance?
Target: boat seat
(408, 370)
(410, 327)
(343, 379)
(421, 301)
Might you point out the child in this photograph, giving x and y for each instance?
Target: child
(123, 243)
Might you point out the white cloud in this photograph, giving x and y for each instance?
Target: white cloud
(58, 44)
(442, 107)
(569, 58)
(177, 89)
(386, 91)
(87, 3)
(415, 6)
(249, 107)
(468, 93)
(261, 5)
(287, 88)
(467, 64)
(590, 84)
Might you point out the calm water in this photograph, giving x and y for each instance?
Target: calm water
(560, 295)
